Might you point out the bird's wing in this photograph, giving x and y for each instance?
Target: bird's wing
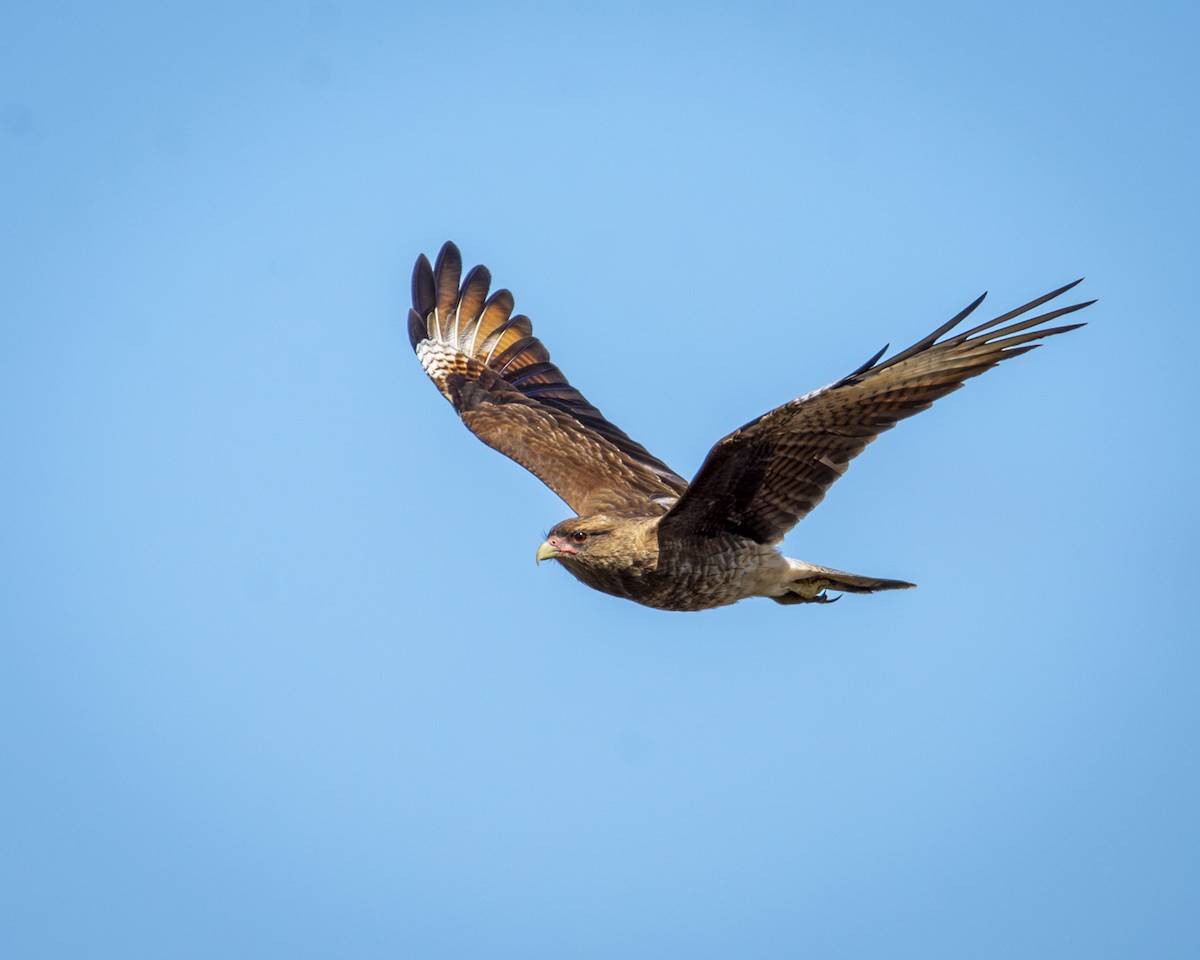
(499, 378)
(764, 478)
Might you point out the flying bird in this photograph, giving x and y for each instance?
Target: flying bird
(641, 531)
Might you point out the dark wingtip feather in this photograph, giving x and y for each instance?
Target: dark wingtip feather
(1025, 308)
(478, 275)
(424, 291)
(472, 295)
(447, 272)
(418, 330)
(964, 313)
(868, 365)
(447, 255)
(1067, 328)
(926, 342)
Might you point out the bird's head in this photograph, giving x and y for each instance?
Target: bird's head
(582, 541)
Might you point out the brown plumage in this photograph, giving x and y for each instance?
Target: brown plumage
(643, 532)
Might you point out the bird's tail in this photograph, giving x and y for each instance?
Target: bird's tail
(808, 582)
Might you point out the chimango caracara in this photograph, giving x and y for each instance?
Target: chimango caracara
(641, 531)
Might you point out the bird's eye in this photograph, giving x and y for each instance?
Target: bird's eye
(579, 536)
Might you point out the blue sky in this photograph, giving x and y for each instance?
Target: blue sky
(279, 676)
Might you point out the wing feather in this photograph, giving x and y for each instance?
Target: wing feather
(509, 393)
(765, 477)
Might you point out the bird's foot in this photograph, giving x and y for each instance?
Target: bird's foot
(807, 591)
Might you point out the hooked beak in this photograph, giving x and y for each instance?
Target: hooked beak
(554, 549)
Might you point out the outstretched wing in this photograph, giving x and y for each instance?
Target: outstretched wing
(764, 478)
(499, 378)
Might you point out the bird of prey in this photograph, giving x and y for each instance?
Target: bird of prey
(641, 531)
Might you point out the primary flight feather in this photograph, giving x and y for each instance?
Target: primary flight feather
(641, 531)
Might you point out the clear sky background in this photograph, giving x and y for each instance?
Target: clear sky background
(278, 674)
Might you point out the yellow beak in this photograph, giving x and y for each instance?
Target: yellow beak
(547, 551)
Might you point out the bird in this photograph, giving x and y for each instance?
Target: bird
(642, 532)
